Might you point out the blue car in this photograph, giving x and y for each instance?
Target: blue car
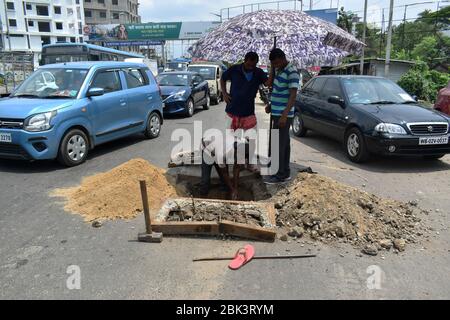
(64, 110)
(182, 92)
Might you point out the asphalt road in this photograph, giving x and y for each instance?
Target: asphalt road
(39, 241)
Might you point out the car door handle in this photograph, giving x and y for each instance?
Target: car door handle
(150, 97)
(123, 102)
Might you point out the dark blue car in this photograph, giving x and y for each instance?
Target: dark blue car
(182, 92)
(370, 115)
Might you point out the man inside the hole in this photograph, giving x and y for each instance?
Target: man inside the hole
(222, 153)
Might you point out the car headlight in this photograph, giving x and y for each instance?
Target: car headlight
(39, 122)
(390, 128)
(179, 94)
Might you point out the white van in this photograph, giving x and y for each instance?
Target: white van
(151, 64)
(211, 73)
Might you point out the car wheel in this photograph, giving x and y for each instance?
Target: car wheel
(74, 148)
(434, 157)
(215, 101)
(190, 108)
(207, 103)
(298, 128)
(356, 146)
(153, 128)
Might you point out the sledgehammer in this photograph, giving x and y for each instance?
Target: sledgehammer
(149, 236)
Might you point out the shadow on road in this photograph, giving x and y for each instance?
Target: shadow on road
(381, 164)
(180, 116)
(25, 167)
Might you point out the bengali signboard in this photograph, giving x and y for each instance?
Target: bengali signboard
(134, 43)
(149, 31)
(166, 31)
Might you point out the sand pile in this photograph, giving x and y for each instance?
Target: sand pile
(116, 194)
(329, 211)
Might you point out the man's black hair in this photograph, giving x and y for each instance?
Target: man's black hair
(252, 56)
(277, 54)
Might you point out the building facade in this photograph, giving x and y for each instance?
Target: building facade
(28, 25)
(111, 11)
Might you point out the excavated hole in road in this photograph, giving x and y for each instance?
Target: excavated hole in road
(251, 188)
(217, 205)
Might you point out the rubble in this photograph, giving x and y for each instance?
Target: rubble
(370, 250)
(328, 211)
(400, 244)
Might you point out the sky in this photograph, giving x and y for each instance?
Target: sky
(200, 10)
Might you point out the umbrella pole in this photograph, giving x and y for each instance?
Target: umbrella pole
(272, 70)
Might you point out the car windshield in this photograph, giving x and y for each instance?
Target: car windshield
(177, 66)
(173, 80)
(52, 83)
(375, 91)
(208, 73)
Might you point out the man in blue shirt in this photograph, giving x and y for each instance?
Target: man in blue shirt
(246, 79)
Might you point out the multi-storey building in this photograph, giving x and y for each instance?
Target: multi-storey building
(111, 11)
(27, 25)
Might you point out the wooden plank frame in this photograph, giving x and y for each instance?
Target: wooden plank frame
(214, 228)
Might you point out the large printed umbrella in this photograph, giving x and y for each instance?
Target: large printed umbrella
(307, 41)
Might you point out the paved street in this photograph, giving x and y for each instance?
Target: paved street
(39, 240)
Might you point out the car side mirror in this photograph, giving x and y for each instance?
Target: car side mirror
(337, 100)
(415, 98)
(95, 92)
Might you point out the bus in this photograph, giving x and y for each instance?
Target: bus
(74, 52)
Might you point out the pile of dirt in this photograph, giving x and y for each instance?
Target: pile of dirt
(116, 194)
(328, 211)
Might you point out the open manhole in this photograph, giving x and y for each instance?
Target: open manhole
(251, 188)
(251, 216)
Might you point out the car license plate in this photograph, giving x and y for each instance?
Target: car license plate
(433, 140)
(5, 137)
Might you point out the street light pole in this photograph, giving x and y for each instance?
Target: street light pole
(361, 67)
(389, 40)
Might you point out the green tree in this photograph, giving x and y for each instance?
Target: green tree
(408, 34)
(373, 35)
(435, 51)
(440, 19)
(422, 82)
(345, 19)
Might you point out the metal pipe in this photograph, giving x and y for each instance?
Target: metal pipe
(258, 258)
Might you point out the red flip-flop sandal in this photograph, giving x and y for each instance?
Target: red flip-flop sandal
(242, 257)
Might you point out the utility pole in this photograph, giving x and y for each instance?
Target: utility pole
(361, 67)
(381, 33)
(404, 22)
(389, 40)
(310, 4)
